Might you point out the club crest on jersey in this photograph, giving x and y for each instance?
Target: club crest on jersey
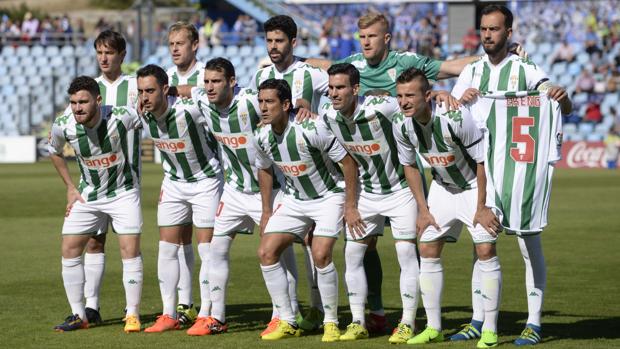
(375, 124)
(233, 141)
(294, 168)
(298, 84)
(172, 146)
(392, 74)
(244, 117)
(513, 81)
(102, 162)
(439, 159)
(365, 148)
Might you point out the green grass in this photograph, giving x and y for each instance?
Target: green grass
(582, 309)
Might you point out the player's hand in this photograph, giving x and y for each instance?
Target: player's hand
(485, 217)
(424, 220)
(73, 195)
(355, 224)
(304, 114)
(557, 93)
(264, 218)
(442, 97)
(470, 95)
(518, 50)
(302, 103)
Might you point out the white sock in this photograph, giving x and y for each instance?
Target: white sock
(168, 274)
(409, 272)
(327, 279)
(186, 270)
(205, 264)
(73, 279)
(355, 277)
(477, 302)
(132, 280)
(431, 287)
(94, 266)
(535, 276)
(287, 259)
(277, 285)
(218, 275)
(311, 275)
(491, 290)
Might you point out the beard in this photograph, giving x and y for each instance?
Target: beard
(495, 48)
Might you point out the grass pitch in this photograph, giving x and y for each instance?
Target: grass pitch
(582, 309)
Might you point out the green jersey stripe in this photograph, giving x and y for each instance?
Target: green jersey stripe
(438, 136)
(121, 98)
(122, 132)
(522, 79)
(509, 167)
(307, 93)
(504, 75)
(486, 76)
(193, 80)
(175, 79)
(386, 126)
(377, 161)
(195, 139)
(85, 152)
(102, 92)
(530, 174)
(317, 157)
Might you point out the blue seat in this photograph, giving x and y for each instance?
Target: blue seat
(585, 128)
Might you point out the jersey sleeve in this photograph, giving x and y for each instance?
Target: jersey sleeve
(534, 75)
(404, 144)
(429, 66)
(470, 135)
(133, 119)
(320, 82)
(463, 82)
(327, 142)
(254, 81)
(386, 105)
(56, 139)
(262, 160)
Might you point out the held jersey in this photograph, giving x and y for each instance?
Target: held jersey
(306, 154)
(382, 77)
(193, 77)
(233, 129)
(523, 132)
(450, 142)
(367, 135)
(120, 93)
(106, 155)
(306, 82)
(187, 149)
(512, 74)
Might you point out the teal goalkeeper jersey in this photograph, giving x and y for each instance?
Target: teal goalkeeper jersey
(382, 77)
(107, 154)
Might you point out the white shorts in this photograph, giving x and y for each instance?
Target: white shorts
(123, 211)
(400, 207)
(296, 216)
(452, 208)
(239, 212)
(182, 203)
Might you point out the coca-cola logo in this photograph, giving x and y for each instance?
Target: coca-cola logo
(584, 154)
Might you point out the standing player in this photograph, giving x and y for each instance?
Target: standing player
(109, 190)
(499, 70)
(187, 70)
(191, 187)
(117, 90)
(364, 128)
(306, 154)
(307, 85)
(452, 144)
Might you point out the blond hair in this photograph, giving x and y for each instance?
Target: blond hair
(371, 18)
(190, 28)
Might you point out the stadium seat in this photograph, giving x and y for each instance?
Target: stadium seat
(569, 129)
(52, 51)
(585, 128)
(232, 51)
(67, 51)
(217, 51)
(580, 98)
(611, 98)
(559, 68)
(583, 58)
(544, 48)
(246, 50)
(594, 137)
(574, 69)
(37, 50)
(162, 51)
(601, 128)
(22, 51)
(8, 51)
(8, 90)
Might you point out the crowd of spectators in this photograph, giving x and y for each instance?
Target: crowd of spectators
(45, 30)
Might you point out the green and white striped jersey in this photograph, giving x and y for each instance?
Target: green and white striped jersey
(306, 154)
(450, 142)
(523, 131)
(382, 77)
(120, 93)
(512, 74)
(188, 150)
(193, 77)
(369, 138)
(107, 157)
(305, 81)
(233, 129)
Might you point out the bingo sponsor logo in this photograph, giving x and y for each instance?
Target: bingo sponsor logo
(367, 148)
(234, 141)
(102, 162)
(439, 159)
(171, 145)
(293, 169)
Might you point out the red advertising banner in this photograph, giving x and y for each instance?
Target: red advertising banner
(582, 155)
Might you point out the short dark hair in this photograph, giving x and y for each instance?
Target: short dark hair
(281, 86)
(111, 39)
(346, 69)
(84, 83)
(283, 23)
(154, 70)
(222, 65)
(499, 8)
(413, 74)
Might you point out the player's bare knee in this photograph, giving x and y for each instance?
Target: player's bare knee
(321, 258)
(485, 251)
(430, 250)
(267, 256)
(95, 246)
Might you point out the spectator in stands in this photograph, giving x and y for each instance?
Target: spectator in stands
(613, 83)
(585, 82)
(250, 28)
(470, 42)
(30, 26)
(563, 53)
(592, 42)
(593, 112)
(219, 29)
(612, 146)
(425, 35)
(206, 31)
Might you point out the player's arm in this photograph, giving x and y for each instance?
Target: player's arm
(319, 63)
(73, 194)
(414, 181)
(484, 215)
(181, 91)
(454, 67)
(559, 94)
(352, 217)
(265, 184)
